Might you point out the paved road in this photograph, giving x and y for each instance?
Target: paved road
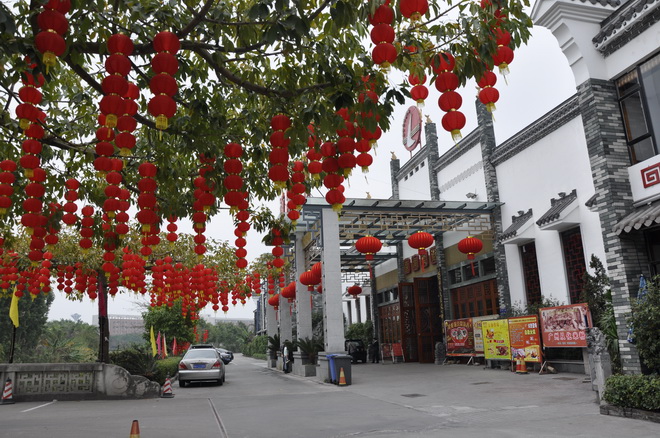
(403, 400)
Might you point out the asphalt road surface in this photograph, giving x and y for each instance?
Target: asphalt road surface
(384, 400)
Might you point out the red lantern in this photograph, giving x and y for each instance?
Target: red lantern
(384, 54)
(368, 245)
(274, 301)
(413, 9)
(309, 279)
(453, 122)
(470, 246)
(382, 33)
(420, 241)
(354, 291)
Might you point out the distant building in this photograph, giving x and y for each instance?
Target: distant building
(122, 324)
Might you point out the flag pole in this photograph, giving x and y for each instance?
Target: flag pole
(13, 344)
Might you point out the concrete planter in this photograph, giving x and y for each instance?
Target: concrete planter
(637, 414)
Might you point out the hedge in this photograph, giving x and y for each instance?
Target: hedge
(633, 391)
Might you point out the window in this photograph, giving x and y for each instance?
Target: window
(531, 273)
(574, 261)
(639, 100)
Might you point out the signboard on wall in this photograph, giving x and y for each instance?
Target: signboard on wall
(565, 326)
(412, 128)
(524, 335)
(460, 337)
(496, 339)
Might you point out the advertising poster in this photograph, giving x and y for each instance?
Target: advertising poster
(478, 334)
(525, 338)
(460, 337)
(496, 339)
(565, 326)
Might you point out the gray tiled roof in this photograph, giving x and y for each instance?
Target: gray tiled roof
(518, 222)
(622, 17)
(557, 205)
(641, 217)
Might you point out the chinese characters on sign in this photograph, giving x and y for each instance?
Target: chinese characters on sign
(525, 339)
(565, 326)
(460, 337)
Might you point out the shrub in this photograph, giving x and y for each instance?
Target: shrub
(256, 347)
(164, 367)
(633, 391)
(139, 361)
(645, 320)
(361, 330)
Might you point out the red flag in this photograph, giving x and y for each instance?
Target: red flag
(164, 346)
(174, 347)
(159, 345)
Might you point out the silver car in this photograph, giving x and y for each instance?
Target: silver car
(201, 364)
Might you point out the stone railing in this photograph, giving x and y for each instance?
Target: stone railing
(75, 381)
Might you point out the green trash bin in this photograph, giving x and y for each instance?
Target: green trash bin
(343, 362)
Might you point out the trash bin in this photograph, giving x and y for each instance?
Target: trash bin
(342, 362)
(331, 367)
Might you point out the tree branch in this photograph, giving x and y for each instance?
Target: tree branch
(198, 18)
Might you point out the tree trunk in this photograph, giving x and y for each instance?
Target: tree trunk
(104, 329)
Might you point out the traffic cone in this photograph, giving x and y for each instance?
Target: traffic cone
(167, 388)
(135, 430)
(342, 377)
(7, 393)
(521, 367)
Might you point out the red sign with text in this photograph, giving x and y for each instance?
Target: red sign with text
(524, 335)
(565, 326)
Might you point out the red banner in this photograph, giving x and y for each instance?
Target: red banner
(525, 338)
(460, 337)
(565, 326)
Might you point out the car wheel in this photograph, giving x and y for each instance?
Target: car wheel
(221, 381)
(182, 384)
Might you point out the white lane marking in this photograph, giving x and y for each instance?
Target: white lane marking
(40, 406)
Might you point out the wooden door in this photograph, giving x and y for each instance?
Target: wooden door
(408, 321)
(428, 319)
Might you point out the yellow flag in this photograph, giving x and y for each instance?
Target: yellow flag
(154, 349)
(13, 309)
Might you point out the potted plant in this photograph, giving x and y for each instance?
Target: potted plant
(309, 349)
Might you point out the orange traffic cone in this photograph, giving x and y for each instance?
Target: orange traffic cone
(7, 393)
(521, 367)
(167, 388)
(342, 377)
(135, 430)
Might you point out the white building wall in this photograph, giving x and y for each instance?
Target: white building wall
(462, 176)
(415, 184)
(530, 179)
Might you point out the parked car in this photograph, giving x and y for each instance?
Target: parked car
(201, 363)
(355, 347)
(226, 355)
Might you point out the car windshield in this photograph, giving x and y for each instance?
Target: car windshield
(200, 354)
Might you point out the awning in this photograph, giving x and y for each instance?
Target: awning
(642, 217)
(559, 210)
(519, 224)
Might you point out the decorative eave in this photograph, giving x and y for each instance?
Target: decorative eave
(558, 215)
(517, 232)
(643, 217)
(587, 11)
(624, 24)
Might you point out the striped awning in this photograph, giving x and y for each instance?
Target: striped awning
(642, 217)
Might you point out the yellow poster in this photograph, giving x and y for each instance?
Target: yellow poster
(497, 345)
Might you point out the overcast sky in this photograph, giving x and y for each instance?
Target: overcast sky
(540, 79)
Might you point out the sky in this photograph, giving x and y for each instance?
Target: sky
(539, 80)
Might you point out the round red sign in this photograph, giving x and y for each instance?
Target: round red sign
(412, 128)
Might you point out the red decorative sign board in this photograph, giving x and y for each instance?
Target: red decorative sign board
(525, 338)
(460, 337)
(565, 326)
(412, 128)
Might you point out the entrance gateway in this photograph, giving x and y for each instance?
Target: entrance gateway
(415, 305)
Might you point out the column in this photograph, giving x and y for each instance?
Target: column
(358, 310)
(333, 317)
(286, 327)
(303, 296)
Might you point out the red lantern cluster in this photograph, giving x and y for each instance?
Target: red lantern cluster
(346, 143)
(279, 154)
(256, 283)
(277, 251)
(297, 193)
(314, 157)
(7, 179)
(242, 227)
(382, 35)
(368, 100)
(69, 217)
(504, 54)
(132, 272)
(204, 200)
(115, 84)
(488, 94)
(53, 25)
(86, 231)
(172, 229)
(147, 207)
(233, 182)
(368, 245)
(163, 85)
(418, 92)
(450, 101)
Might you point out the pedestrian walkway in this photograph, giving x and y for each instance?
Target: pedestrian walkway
(473, 400)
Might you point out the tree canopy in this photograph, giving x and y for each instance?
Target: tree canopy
(240, 64)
